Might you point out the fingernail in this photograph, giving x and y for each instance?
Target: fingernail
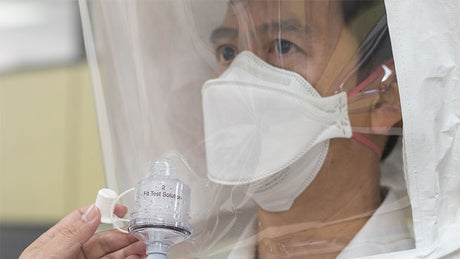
(89, 214)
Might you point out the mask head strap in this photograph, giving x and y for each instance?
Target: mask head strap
(383, 69)
(368, 143)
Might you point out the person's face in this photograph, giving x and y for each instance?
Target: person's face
(306, 37)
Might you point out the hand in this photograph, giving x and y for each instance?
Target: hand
(73, 237)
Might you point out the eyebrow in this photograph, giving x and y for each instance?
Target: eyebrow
(223, 32)
(290, 25)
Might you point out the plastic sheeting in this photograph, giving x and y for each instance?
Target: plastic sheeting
(150, 59)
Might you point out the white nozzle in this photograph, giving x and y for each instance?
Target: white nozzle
(104, 201)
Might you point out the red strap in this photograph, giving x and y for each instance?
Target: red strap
(364, 83)
(359, 137)
(366, 142)
(369, 79)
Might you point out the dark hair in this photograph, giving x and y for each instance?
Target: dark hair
(351, 8)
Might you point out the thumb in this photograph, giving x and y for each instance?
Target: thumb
(77, 231)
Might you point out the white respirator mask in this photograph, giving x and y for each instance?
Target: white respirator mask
(269, 128)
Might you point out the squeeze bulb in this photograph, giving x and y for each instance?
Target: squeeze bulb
(161, 214)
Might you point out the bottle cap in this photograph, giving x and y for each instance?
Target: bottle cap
(104, 201)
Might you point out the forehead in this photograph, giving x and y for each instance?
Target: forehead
(306, 12)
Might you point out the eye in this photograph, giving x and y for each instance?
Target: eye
(283, 46)
(226, 53)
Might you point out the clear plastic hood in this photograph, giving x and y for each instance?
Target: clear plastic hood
(286, 118)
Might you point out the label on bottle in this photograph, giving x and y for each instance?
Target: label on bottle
(162, 196)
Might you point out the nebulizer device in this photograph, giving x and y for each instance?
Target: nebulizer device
(161, 213)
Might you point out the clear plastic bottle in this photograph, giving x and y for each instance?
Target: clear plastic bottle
(161, 214)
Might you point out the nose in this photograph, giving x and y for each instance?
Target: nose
(249, 38)
(250, 41)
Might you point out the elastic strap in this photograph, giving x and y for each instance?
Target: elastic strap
(369, 79)
(364, 83)
(368, 143)
(358, 136)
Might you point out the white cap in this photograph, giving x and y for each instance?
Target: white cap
(104, 201)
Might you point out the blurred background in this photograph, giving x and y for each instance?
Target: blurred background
(50, 161)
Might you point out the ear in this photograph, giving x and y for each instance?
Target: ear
(386, 112)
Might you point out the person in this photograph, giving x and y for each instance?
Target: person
(339, 212)
(74, 237)
(319, 200)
